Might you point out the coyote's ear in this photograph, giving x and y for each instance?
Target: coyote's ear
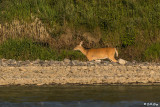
(81, 43)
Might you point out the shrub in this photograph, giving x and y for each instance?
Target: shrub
(128, 38)
(71, 54)
(24, 49)
(152, 52)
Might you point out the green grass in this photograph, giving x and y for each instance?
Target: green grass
(152, 53)
(107, 14)
(25, 49)
(126, 24)
(72, 55)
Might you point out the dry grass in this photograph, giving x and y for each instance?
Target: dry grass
(18, 29)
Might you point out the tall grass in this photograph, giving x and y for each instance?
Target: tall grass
(130, 25)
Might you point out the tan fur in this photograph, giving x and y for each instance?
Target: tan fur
(99, 53)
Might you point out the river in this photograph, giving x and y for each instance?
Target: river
(79, 96)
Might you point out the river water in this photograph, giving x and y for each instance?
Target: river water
(79, 96)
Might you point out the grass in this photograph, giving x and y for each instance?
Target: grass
(24, 49)
(126, 24)
(152, 53)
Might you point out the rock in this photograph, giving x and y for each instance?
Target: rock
(66, 60)
(84, 63)
(144, 67)
(122, 61)
(62, 63)
(134, 61)
(98, 61)
(0, 62)
(3, 60)
(105, 62)
(115, 64)
(74, 63)
(91, 62)
(26, 63)
(110, 65)
(4, 63)
(36, 61)
(87, 72)
(129, 63)
(42, 62)
(11, 62)
(84, 67)
(51, 62)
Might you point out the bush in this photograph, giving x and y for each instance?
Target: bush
(71, 54)
(128, 38)
(152, 52)
(25, 49)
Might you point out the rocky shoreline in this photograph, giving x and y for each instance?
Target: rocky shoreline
(40, 72)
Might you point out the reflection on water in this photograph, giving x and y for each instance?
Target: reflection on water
(75, 104)
(79, 96)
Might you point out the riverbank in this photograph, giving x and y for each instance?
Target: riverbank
(40, 29)
(76, 72)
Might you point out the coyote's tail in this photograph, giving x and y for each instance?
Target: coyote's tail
(116, 52)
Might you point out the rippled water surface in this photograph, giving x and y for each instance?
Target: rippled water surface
(79, 96)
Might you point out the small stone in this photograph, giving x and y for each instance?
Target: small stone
(84, 67)
(110, 65)
(66, 60)
(24, 63)
(122, 61)
(84, 63)
(105, 62)
(45, 64)
(62, 63)
(36, 61)
(144, 67)
(51, 62)
(4, 64)
(152, 72)
(42, 62)
(74, 63)
(115, 64)
(98, 61)
(3, 60)
(91, 62)
(0, 62)
(129, 63)
(134, 61)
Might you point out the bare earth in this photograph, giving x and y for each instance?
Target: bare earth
(74, 72)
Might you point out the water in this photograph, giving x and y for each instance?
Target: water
(79, 96)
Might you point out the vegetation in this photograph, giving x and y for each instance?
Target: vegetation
(133, 26)
(153, 52)
(24, 49)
